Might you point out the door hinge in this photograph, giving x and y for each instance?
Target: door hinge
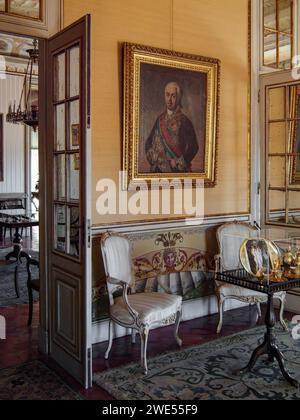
(258, 97)
(88, 231)
(258, 188)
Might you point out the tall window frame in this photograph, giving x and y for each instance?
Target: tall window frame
(7, 9)
(272, 31)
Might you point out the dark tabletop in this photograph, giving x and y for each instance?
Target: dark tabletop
(243, 279)
(17, 221)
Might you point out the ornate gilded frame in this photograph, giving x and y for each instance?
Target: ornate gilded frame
(134, 56)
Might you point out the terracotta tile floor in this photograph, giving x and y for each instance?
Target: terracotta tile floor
(21, 343)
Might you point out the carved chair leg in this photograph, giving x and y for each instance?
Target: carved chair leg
(144, 344)
(282, 321)
(177, 323)
(258, 310)
(221, 308)
(110, 339)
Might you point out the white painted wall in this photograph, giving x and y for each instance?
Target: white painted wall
(14, 138)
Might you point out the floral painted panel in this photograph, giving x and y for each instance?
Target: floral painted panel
(174, 262)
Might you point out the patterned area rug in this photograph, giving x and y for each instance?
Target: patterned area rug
(207, 372)
(7, 286)
(34, 381)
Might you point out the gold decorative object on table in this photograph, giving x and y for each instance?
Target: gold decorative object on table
(261, 259)
(297, 263)
(291, 263)
(288, 257)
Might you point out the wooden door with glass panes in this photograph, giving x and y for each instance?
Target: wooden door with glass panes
(68, 203)
(280, 153)
(281, 149)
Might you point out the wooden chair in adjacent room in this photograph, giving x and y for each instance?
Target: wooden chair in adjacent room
(33, 283)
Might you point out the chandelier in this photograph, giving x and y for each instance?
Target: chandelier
(29, 114)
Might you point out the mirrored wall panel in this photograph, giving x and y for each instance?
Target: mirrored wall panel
(283, 155)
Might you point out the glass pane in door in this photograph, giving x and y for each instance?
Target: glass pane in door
(277, 203)
(74, 87)
(294, 207)
(60, 77)
(60, 228)
(2, 5)
(277, 104)
(74, 176)
(73, 231)
(60, 123)
(74, 115)
(277, 135)
(277, 172)
(60, 177)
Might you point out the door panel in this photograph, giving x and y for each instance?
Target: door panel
(69, 256)
(68, 315)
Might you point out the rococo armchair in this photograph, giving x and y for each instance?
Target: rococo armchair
(140, 312)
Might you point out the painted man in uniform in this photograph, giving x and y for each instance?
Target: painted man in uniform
(172, 144)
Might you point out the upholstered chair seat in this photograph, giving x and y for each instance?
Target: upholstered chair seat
(229, 290)
(140, 312)
(152, 308)
(230, 237)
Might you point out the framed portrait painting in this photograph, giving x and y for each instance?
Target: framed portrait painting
(171, 115)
